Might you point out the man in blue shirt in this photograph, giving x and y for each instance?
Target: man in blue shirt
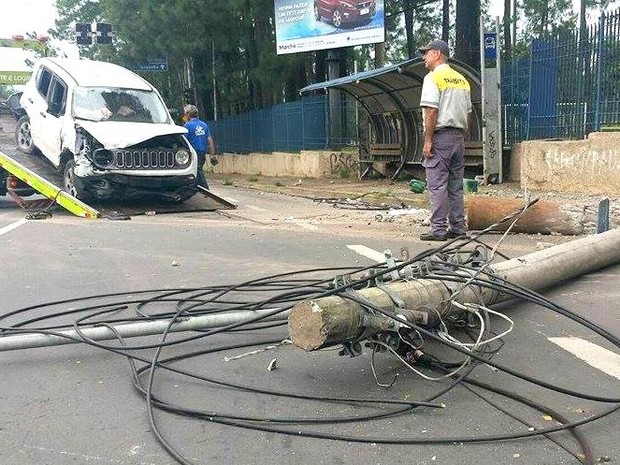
(199, 136)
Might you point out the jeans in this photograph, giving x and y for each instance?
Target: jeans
(200, 177)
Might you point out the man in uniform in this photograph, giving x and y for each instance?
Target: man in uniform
(446, 105)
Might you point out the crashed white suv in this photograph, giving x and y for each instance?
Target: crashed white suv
(108, 131)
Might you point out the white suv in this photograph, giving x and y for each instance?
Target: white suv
(108, 131)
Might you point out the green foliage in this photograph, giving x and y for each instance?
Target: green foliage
(547, 17)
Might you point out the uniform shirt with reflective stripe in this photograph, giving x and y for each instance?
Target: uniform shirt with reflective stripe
(449, 92)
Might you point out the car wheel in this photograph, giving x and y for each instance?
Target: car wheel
(317, 13)
(68, 178)
(3, 176)
(337, 18)
(23, 136)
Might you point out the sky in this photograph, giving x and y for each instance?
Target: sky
(26, 16)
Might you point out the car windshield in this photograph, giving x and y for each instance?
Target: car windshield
(113, 104)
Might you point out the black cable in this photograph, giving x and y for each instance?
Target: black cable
(191, 302)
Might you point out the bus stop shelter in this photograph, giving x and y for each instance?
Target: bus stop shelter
(390, 123)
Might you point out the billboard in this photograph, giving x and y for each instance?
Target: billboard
(305, 25)
(15, 65)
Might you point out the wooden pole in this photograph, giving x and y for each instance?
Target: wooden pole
(541, 218)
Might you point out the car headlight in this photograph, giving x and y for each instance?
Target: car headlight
(182, 157)
(103, 158)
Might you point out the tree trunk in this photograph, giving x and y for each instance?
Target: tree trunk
(507, 22)
(467, 46)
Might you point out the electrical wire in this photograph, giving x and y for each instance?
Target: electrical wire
(449, 263)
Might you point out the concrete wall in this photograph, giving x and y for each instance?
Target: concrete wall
(305, 164)
(587, 166)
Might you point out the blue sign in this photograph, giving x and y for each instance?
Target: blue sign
(156, 64)
(490, 46)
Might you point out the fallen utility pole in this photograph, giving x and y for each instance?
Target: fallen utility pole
(329, 321)
(542, 217)
(102, 333)
(333, 320)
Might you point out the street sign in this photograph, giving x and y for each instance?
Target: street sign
(154, 64)
(490, 46)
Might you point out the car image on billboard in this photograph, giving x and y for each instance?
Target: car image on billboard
(340, 12)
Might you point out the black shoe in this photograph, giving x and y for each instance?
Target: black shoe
(431, 237)
(453, 235)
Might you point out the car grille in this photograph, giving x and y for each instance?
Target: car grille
(144, 159)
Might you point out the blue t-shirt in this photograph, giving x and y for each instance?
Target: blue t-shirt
(198, 134)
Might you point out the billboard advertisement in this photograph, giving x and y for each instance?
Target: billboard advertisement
(15, 65)
(305, 25)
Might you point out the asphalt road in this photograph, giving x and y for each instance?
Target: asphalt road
(77, 404)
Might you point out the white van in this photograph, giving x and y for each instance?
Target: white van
(107, 130)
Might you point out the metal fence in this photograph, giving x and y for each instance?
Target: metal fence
(287, 127)
(568, 86)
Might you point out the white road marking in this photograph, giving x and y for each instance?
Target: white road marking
(368, 253)
(598, 357)
(12, 226)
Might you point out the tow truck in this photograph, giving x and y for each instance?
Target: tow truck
(24, 175)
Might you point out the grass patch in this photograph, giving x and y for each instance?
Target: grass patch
(228, 182)
(279, 184)
(252, 179)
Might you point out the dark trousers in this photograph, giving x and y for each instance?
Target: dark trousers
(444, 180)
(200, 177)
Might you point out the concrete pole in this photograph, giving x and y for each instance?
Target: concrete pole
(329, 321)
(102, 333)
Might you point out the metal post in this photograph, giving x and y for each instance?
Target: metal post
(214, 81)
(500, 134)
(335, 110)
(600, 53)
(102, 333)
(603, 216)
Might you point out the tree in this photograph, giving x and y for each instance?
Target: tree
(547, 17)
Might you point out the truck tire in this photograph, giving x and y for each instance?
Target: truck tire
(23, 136)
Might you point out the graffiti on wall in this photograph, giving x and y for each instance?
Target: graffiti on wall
(343, 163)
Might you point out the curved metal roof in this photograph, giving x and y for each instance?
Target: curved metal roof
(392, 88)
(396, 90)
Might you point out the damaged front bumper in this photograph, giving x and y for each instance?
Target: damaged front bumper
(113, 186)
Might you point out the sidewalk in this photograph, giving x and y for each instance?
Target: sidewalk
(383, 194)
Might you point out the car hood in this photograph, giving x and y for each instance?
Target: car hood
(116, 135)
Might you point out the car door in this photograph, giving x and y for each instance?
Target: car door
(47, 109)
(35, 104)
(51, 140)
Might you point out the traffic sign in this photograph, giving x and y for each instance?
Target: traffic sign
(154, 64)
